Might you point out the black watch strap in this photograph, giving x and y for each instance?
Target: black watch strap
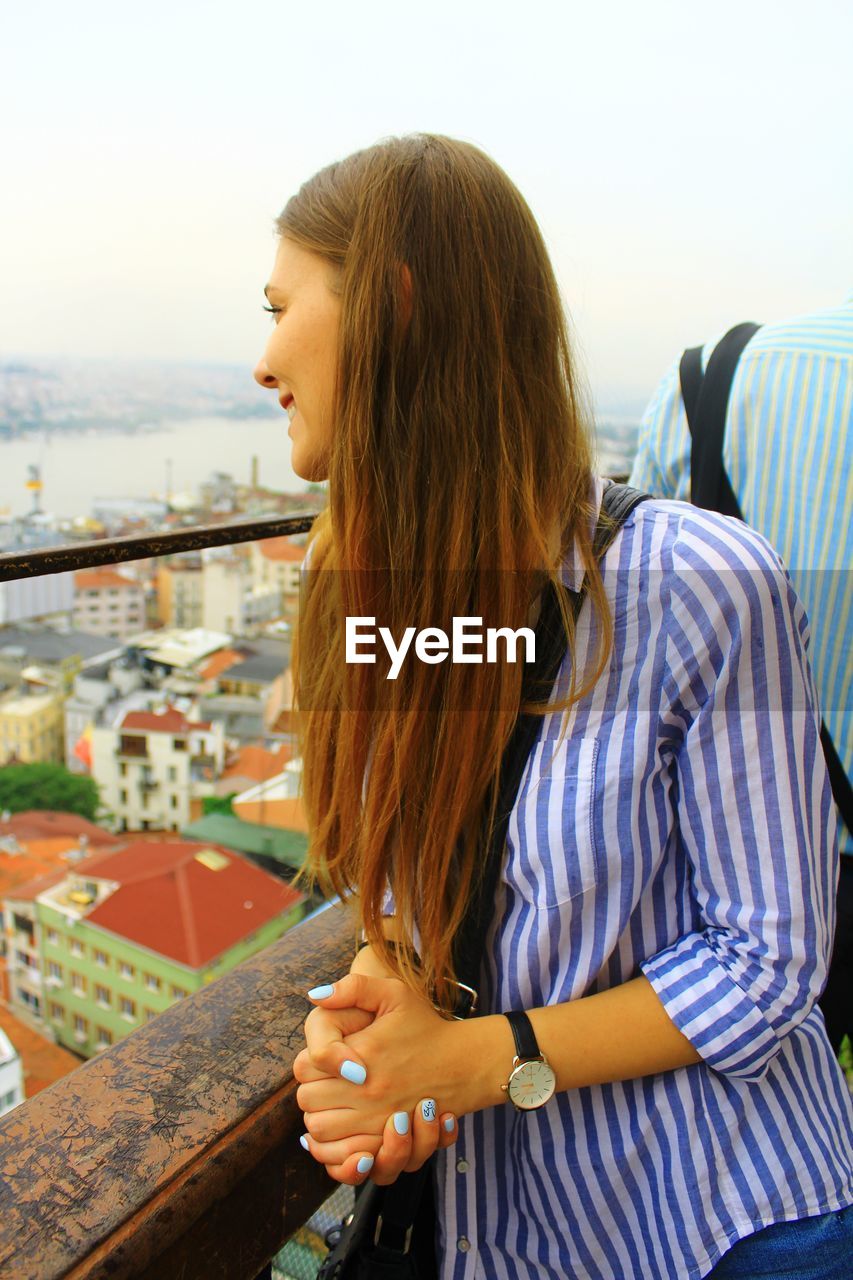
(526, 1045)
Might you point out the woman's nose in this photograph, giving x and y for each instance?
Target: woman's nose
(263, 376)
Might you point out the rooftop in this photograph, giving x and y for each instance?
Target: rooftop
(98, 579)
(282, 549)
(167, 720)
(184, 899)
(43, 645)
(287, 847)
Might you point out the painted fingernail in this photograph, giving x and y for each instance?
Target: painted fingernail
(304, 1141)
(365, 1164)
(353, 1072)
(449, 1122)
(428, 1109)
(401, 1122)
(321, 993)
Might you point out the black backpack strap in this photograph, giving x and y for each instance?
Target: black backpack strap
(709, 484)
(618, 501)
(842, 792)
(690, 377)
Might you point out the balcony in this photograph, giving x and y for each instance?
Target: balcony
(174, 1153)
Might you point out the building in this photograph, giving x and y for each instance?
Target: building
(108, 603)
(11, 1075)
(155, 767)
(277, 562)
(276, 802)
(276, 849)
(180, 591)
(233, 602)
(32, 728)
(126, 933)
(65, 652)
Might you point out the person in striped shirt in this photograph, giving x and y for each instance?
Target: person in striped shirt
(665, 903)
(788, 455)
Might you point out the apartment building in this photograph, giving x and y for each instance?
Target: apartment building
(155, 767)
(108, 603)
(125, 934)
(180, 591)
(32, 728)
(233, 602)
(277, 562)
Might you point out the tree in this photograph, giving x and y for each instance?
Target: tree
(47, 786)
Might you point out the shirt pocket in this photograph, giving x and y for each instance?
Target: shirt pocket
(553, 849)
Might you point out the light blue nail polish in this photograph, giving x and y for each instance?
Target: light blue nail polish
(428, 1108)
(304, 1141)
(353, 1072)
(401, 1122)
(321, 993)
(365, 1164)
(448, 1124)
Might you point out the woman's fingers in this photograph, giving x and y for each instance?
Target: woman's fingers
(396, 1150)
(325, 1031)
(337, 1153)
(448, 1130)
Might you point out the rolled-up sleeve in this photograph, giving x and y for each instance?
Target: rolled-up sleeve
(755, 824)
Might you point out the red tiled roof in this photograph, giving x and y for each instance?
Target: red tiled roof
(36, 824)
(95, 579)
(257, 763)
(43, 1061)
(282, 549)
(171, 903)
(169, 721)
(220, 662)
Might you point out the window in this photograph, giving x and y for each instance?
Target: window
(126, 970)
(57, 1012)
(102, 959)
(173, 800)
(75, 947)
(123, 769)
(54, 974)
(173, 773)
(103, 1038)
(178, 993)
(127, 1007)
(122, 795)
(53, 937)
(152, 982)
(78, 984)
(102, 995)
(81, 1028)
(179, 744)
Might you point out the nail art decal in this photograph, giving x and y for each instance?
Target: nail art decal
(428, 1109)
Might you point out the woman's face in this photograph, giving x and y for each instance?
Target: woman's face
(301, 356)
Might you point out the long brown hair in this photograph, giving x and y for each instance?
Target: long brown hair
(458, 451)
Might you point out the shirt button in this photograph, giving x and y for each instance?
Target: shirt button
(463, 1244)
(462, 1166)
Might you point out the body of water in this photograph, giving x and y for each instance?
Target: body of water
(79, 468)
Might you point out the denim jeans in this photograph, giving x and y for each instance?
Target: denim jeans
(810, 1249)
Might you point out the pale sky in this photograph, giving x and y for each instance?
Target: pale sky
(689, 163)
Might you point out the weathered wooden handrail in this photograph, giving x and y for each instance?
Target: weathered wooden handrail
(175, 1155)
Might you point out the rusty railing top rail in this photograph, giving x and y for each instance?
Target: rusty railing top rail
(142, 546)
(176, 1153)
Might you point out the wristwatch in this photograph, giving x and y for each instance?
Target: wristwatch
(532, 1082)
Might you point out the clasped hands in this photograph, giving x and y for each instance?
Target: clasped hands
(379, 1061)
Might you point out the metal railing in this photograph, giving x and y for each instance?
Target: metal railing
(174, 1154)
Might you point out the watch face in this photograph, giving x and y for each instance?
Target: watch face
(531, 1085)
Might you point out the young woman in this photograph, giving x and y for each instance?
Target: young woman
(663, 917)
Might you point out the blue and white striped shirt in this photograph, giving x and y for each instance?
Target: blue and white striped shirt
(788, 453)
(683, 828)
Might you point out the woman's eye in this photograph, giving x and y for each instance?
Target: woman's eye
(274, 311)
